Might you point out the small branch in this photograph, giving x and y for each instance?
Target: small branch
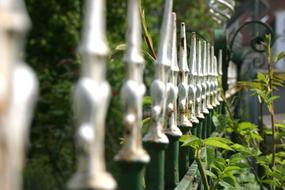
(272, 111)
(255, 174)
(202, 171)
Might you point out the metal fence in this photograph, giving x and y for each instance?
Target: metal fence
(185, 94)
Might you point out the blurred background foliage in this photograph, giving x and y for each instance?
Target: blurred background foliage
(52, 51)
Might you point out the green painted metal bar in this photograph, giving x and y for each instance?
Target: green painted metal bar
(184, 154)
(201, 128)
(172, 162)
(131, 175)
(205, 125)
(209, 122)
(172, 131)
(190, 180)
(194, 129)
(154, 175)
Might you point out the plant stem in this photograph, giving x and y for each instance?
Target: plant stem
(255, 174)
(202, 171)
(272, 111)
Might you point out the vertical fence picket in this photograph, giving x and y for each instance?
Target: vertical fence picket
(192, 82)
(132, 157)
(220, 74)
(199, 110)
(155, 141)
(18, 93)
(91, 100)
(172, 131)
(205, 88)
(183, 120)
(208, 94)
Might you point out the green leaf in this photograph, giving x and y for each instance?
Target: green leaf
(231, 168)
(278, 57)
(121, 47)
(242, 165)
(183, 138)
(193, 142)
(256, 136)
(211, 174)
(216, 168)
(271, 99)
(219, 165)
(216, 143)
(225, 185)
(122, 140)
(147, 100)
(148, 55)
(229, 180)
(223, 140)
(270, 182)
(147, 36)
(235, 158)
(246, 126)
(145, 124)
(262, 77)
(210, 155)
(241, 148)
(280, 126)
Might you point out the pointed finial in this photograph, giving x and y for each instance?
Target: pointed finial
(158, 87)
(91, 101)
(209, 82)
(216, 86)
(215, 66)
(17, 21)
(163, 55)
(212, 61)
(172, 89)
(183, 81)
(174, 63)
(133, 91)
(193, 56)
(209, 59)
(94, 31)
(204, 80)
(133, 55)
(183, 66)
(199, 58)
(14, 20)
(18, 93)
(205, 59)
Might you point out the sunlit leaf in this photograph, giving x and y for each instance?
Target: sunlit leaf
(231, 168)
(230, 180)
(192, 141)
(147, 100)
(147, 36)
(246, 126)
(211, 174)
(278, 57)
(216, 143)
(145, 125)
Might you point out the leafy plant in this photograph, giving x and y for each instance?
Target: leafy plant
(232, 160)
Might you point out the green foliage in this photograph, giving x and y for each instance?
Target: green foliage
(218, 142)
(231, 166)
(51, 48)
(278, 57)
